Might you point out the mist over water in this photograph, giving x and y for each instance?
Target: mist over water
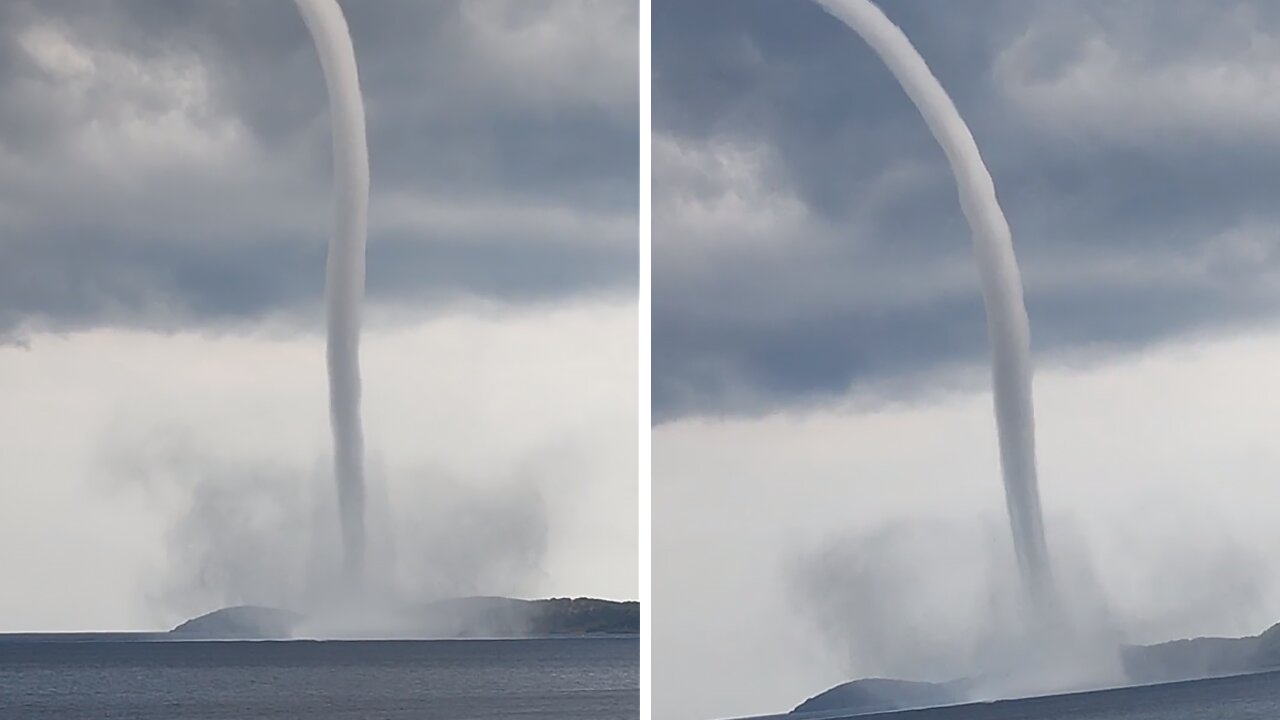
(345, 272)
(1007, 324)
(933, 600)
(254, 531)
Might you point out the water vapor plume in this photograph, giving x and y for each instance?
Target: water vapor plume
(1007, 323)
(344, 272)
(253, 528)
(929, 599)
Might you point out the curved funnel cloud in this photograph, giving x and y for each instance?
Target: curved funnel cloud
(1001, 285)
(344, 273)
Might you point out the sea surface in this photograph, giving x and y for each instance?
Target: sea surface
(562, 678)
(1241, 697)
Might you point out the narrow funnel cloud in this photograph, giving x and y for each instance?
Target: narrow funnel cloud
(344, 273)
(1007, 323)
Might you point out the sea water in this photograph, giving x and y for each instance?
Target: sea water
(596, 678)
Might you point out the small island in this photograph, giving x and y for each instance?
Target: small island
(1173, 661)
(470, 617)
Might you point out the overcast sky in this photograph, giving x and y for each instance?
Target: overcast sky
(819, 238)
(164, 212)
(827, 502)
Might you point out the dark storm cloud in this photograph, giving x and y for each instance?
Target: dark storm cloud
(807, 235)
(168, 162)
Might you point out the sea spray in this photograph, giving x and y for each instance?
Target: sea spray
(1007, 323)
(344, 272)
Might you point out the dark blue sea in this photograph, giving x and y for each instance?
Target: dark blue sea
(1242, 697)
(561, 678)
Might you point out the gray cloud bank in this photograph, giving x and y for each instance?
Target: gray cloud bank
(167, 163)
(807, 236)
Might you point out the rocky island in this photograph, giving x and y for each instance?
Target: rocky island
(1173, 661)
(471, 617)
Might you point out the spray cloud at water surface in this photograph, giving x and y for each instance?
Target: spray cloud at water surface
(344, 273)
(929, 599)
(1007, 323)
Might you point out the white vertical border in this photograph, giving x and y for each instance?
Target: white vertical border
(645, 357)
